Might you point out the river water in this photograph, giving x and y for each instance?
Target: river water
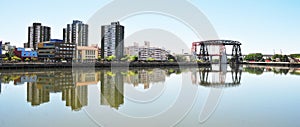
(243, 96)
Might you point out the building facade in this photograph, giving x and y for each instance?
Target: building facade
(132, 50)
(24, 53)
(76, 33)
(36, 34)
(7, 47)
(56, 50)
(86, 54)
(157, 54)
(0, 54)
(112, 40)
(145, 52)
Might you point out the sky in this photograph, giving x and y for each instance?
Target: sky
(260, 25)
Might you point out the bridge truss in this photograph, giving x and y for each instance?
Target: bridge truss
(205, 55)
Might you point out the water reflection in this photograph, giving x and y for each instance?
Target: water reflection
(259, 70)
(215, 76)
(73, 84)
(112, 88)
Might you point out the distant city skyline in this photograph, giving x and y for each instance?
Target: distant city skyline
(261, 26)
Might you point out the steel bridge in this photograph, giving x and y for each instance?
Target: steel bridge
(205, 55)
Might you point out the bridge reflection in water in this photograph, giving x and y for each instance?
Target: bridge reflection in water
(215, 76)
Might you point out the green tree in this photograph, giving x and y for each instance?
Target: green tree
(111, 58)
(277, 56)
(295, 55)
(27, 59)
(34, 59)
(254, 57)
(285, 58)
(171, 57)
(9, 55)
(16, 58)
(133, 58)
(5, 59)
(150, 59)
(171, 60)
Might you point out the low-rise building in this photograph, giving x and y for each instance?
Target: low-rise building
(86, 54)
(132, 50)
(7, 47)
(56, 50)
(24, 53)
(156, 54)
(145, 52)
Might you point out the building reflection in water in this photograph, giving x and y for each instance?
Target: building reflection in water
(74, 94)
(145, 77)
(73, 84)
(112, 88)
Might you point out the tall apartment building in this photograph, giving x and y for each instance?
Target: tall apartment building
(112, 40)
(76, 33)
(36, 34)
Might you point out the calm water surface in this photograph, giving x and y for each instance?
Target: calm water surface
(189, 97)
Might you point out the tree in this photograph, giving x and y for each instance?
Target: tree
(171, 58)
(150, 59)
(111, 58)
(34, 59)
(285, 58)
(277, 56)
(27, 59)
(99, 58)
(125, 58)
(9, 54)
(254, 57)
(295, 55)
(133, 58)
(16, 58)
(5, 59)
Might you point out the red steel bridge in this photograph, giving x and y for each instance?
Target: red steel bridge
(204, 54)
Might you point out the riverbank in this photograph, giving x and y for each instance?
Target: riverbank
(100, 65)
(132, 64)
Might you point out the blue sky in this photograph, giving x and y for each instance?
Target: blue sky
(261, 25)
